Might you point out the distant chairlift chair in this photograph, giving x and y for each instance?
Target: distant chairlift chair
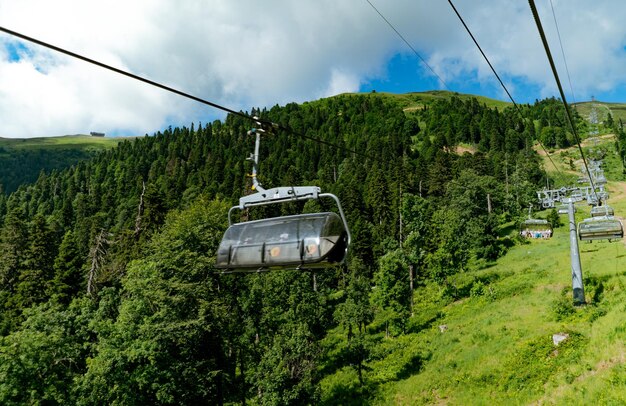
(564, 209)
(600, 211)
(535, 228)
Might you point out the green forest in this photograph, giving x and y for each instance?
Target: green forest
(108, 292)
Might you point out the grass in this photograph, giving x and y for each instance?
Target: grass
(497, 345)
(618, 110)
(64, 142)
(558, 163)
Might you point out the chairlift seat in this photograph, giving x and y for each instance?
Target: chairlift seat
(599, 211)
(600, 228)
(304, 241)
(536, 224)
(535, 228)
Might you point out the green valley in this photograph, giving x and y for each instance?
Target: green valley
(24, 158)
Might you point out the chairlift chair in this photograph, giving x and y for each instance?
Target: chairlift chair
(298, 241)
(302, 241)
(599, 211)
(536, 224)
(534, 227)
(600, 228)
(577, 195)
(595, 198)
(600, 180)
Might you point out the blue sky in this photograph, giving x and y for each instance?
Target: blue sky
(15, 50)
(248, 54)
(408, 73)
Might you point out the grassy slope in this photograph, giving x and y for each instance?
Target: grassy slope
(618, 110)
(417, 100)
(498, 348)
(22, 159)
(68, 141)
(498, 345)
(557, 164)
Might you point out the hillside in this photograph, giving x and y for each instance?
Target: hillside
(411, 102)
(108, 291)
(487, 337)
(617, 110)
(497, 345)
(22, 159)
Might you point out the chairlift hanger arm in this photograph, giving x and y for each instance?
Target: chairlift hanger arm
(279, 195)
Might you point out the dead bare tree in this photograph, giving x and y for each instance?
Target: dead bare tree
(140, 211)
(97, 254)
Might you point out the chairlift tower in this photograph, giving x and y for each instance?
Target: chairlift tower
(601, 226)
(577, 272)
(568, 196)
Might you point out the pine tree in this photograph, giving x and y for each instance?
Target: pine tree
(38, 266)
(13, 249)
(68, 278)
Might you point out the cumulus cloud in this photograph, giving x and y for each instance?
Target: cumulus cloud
(248, 53)
(593, 38)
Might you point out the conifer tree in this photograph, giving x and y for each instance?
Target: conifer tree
(38, 266)
(68, 277)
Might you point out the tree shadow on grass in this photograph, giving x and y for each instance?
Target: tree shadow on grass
(412, 367)
(351, 393)
(384, 361)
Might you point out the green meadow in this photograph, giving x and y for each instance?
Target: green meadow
(63, 142)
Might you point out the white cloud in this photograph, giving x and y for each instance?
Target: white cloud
(248, 53)
(341, 82)
(593, 37)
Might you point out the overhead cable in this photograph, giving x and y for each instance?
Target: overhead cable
(265, 123)
(501, 82)
(558, 33)
(542, 34)
(409, 45)
(484, 56)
